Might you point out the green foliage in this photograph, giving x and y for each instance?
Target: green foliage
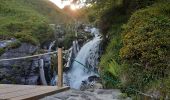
(110, 60)
(42, 32)
(110, 12)
(146, 45)
(25, 37)
(68, 41)
(122, 96)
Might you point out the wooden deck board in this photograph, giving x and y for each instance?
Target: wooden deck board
(14, 89)
(5, 86)
(18, 92)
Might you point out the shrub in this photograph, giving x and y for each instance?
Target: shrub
(42, 32)
(146, 45)
(23, 37)
(15, 27)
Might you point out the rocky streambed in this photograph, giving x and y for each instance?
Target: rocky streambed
(97, 94)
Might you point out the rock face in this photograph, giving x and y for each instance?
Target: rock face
(98, 94)
(19, 71)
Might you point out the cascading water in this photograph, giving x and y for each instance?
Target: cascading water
(45, 64)
(51, 45)
(87, 56)
(47, 60)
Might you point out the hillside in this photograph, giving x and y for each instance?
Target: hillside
(50, 10)
(28, 20)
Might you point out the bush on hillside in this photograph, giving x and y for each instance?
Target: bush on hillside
(26, 37)
(145, 46)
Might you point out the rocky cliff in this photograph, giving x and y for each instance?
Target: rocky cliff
(23, 71)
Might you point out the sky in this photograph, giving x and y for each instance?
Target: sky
(62, 3)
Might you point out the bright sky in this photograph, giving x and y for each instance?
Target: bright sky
(62, 3)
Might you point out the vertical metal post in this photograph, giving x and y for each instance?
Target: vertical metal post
(60, 68)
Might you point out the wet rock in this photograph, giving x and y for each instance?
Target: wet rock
(50, 98)
(104, 91)
(73, 98)
(62, 96)
(98, 86)
(93, 82)
(93, 78)
(85, 97)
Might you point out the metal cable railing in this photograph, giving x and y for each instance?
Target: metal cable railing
(25, 57)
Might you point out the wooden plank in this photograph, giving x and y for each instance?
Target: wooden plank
(14, 89)
(41, 94)
(23, 92)
(18, 92)
(4, 86)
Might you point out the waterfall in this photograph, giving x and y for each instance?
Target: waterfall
(47, 64)
(79, 72)
(41, 70)
(84, 64)
(51, 45)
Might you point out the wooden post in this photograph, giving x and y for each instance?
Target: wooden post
(146, 98)
(60, 68)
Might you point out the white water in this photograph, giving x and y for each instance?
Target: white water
(78, 72)
(51, 45)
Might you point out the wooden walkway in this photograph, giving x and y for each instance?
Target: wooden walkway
(27, 92)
